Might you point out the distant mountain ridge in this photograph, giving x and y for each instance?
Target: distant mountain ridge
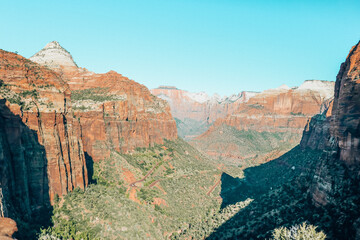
(195, 112)
(274, 117)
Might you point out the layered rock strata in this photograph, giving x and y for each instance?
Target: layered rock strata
(339, 136)
(195, 112)
(41, 153)
(113, 112)
(275, 117)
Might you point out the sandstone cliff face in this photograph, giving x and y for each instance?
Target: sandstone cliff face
(113, 112)
(339, 137)
(282, 109)
(198, 110)
(199, 106)
(345, 120)
(7, 228)
(41, 154)
(275, 117)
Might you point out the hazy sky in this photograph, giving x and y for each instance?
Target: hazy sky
(219, 46)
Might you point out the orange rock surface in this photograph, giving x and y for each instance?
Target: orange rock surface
(114, 112)
(131, 116)
(282, 110)
(338, 135)
(40, 139)
(7, 228)
(199, 106)
(278, 110)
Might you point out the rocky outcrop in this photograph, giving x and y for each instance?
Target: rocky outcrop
(281, 110)
(316, 133)
(41, 153)
(345, 120)
(54, 56)
(114, 112)
(339, 136)
(195, 112)
(278, 114)
(7, 228)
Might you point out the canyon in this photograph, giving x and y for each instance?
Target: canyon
(274, 119)
(100, 155)
(195, 112)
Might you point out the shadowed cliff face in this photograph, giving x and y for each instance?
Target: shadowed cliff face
(339, 134)
(41, 153)
(24, 179)
(345, 120)
(24, 183)
(328, 195)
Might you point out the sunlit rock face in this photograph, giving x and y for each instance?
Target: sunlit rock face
(195, 112)
(281, 109)
(54, 56)
(276, 115)
(7, 228)
(345, 120)
(114, 112)
(338, 135)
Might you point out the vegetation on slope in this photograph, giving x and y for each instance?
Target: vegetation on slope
(129, 202)
(298, 232)
(282, 198)
(245, 148)
(190, 128)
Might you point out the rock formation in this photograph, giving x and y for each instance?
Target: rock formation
(282, 109)
(197, 111)
(114, 113)
(7, 228)
(278, 114)
(339, 136)
(55, 118)
(41, 153)
(54, 56)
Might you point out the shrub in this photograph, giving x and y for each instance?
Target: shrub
(298, 232)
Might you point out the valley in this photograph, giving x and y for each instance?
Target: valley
(87, 155)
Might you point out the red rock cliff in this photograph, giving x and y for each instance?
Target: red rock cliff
(41, 153)
(125, 116)
(266, 116)
(200, 106)
(282, 109)
(114, 113)
(345, 120)
(339, 136)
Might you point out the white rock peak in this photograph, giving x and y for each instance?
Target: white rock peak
(54, 56)
(325, 88)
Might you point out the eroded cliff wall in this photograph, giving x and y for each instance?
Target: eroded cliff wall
(41, 152)
(112, 111)
(337, 174)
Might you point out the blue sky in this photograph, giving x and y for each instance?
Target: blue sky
(222, 46)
